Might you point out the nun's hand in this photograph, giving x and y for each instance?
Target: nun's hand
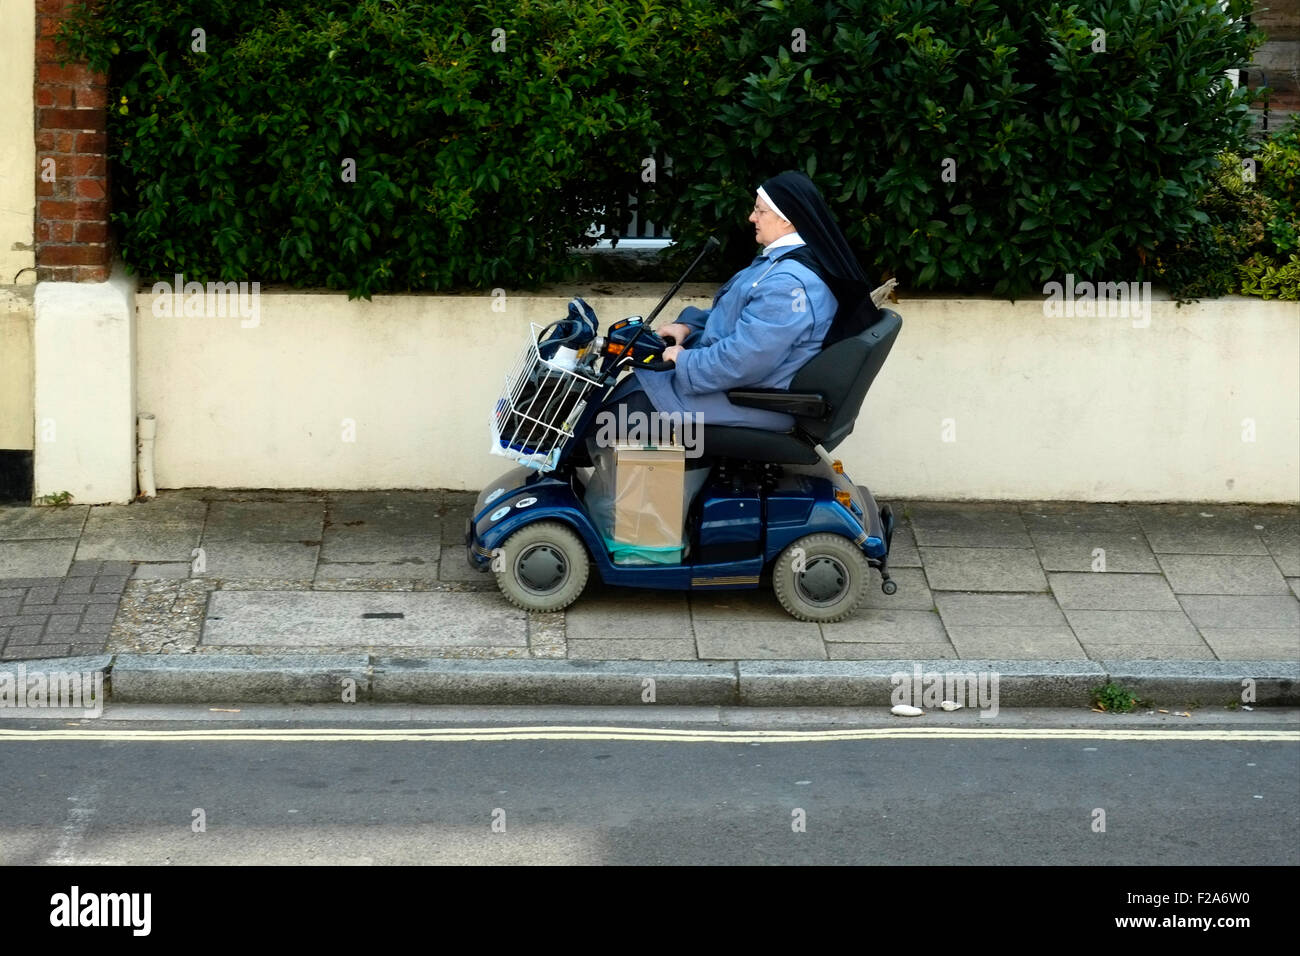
(671, 353)
(675, 332)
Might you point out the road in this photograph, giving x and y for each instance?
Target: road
(1056, 788)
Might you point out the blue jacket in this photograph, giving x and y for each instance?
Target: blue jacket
(764, 325)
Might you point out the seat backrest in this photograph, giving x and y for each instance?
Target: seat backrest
(843, 373)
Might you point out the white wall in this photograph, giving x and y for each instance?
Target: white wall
(1067, 408)
(85, 389)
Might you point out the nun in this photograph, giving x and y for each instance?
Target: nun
(803, 292)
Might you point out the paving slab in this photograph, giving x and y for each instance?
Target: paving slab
(1134, 627)
(755, 605)
(913, 592)
(902, 548)
(626, 613)
(204, 495)
(372, 545)
(636, 649)
(1079, 518)
(1284, 545)
(615, 683)
(167, 510)
(454, 568)
(1034, 642)
(758, 640)
(1014, 609)
(983, 569)
(399, 513)
(1223, 574)
(885, 626)
(1218, 610)
(859, 651)
(1254, 643)
(967, 525)
(1081, 551)
(26, 523)
(139, 541)
(162, 571)
(265, 521)
(1138, 652)
(1200, 529)
(36, 559)
(429, 619)
(1108, 591)
(1294, 584)
(370, 571)
(255, 559)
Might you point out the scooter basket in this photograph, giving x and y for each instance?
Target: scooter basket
(538, 410)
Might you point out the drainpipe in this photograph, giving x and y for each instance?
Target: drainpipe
(148, 427)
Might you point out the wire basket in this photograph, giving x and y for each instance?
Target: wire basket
(539, 408)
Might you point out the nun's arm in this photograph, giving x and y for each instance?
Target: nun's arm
(775, 318)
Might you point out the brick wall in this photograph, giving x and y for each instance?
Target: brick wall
(73, 243)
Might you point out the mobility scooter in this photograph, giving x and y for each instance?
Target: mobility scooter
(774, 505)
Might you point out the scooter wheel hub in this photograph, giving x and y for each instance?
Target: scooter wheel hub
(823, 581)
(541, 568)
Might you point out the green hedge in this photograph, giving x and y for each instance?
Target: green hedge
(1249, 243)
(479, 167)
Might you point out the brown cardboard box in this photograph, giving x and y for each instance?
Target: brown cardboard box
(649, 495)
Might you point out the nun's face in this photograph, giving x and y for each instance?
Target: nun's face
(768, 226)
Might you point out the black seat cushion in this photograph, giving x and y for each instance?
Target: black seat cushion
(757, 444)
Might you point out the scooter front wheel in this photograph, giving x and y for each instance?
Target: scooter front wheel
(821, 577)
(542, 567)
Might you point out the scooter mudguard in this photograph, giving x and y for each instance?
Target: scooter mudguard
(519, 497)
(803, 503)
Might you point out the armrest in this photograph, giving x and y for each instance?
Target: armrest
(806, 404)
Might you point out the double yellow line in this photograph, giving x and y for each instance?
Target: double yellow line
(635, 734)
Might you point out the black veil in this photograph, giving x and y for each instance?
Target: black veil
(827, 253)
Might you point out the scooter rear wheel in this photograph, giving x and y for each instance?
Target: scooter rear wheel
(542, 567)
(822, 578)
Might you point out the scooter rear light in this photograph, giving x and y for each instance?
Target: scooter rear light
(837, 466)
(843, 497)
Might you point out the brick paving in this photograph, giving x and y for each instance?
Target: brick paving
(58, 617)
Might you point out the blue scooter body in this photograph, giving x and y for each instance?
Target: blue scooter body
(728, 549)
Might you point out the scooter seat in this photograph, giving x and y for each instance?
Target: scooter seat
(757, 444)
(838, 377)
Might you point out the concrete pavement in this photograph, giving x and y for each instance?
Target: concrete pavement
(362, 579)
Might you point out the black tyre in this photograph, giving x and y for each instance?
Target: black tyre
(542, 567)
(821, 578)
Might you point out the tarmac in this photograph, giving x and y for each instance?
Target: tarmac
(213, 596)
